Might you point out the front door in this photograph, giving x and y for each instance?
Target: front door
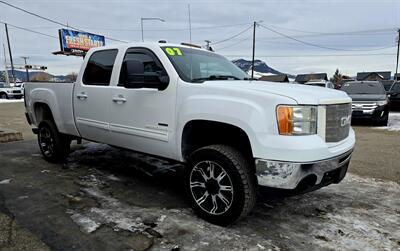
(143, 119)
(92, 97)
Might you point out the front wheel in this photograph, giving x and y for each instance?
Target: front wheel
(54, 146)
(220, 184)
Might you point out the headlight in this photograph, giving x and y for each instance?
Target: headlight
(297, 120)
(383, 102)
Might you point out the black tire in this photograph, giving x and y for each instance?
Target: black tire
(383, 122)
(3, 95)
(54, 146)
(231, 205)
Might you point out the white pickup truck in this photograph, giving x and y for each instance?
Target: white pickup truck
(195, 107)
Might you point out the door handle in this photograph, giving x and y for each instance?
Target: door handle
(81, 96)
(119, 99)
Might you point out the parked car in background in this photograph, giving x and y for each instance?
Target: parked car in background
(7, 92)
(321, 83)
(394, 96)
(370, 101)
(387, 84)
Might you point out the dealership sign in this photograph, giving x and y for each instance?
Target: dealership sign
(75, 41)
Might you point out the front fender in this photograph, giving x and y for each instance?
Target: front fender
(250, 116)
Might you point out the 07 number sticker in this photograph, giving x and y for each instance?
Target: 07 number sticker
(174, 51)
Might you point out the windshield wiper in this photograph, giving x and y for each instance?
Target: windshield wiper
(216, 77)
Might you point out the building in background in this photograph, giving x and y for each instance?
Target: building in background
(304, 78)
(283, 78)
(374, 76)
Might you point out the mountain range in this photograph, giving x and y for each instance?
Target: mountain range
(21, 75)
(260, 67)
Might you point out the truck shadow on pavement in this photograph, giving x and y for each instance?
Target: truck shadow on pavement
(104, 198)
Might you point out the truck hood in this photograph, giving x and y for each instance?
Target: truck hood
(367, 97)
(302, 94)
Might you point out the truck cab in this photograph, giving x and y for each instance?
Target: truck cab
(195, 107)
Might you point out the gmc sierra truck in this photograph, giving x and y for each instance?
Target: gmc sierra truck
(195, 107)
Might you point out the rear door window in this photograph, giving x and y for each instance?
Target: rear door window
(99, 68)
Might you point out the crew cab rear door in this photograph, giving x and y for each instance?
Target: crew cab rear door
(143, 119)
(92, 96)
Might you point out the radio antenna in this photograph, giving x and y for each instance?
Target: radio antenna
(190, 25)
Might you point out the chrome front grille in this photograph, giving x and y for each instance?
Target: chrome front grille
(364, 106)
(338, 120)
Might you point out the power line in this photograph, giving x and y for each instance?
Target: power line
(311, 55)
(153, 30)
(335, 33)
(51, 20)
(236, 35)
(234, 44)
(29, 30)
(317, 45)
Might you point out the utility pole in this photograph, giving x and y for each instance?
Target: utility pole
(398, 50)
(148, 18)
(5, 66)
(26, 68)
(254, 49)
(9, 50)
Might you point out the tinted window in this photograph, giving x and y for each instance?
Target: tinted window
(99, 68)
(396, 87)
(152, 66)
(387, 85)
(363, 88)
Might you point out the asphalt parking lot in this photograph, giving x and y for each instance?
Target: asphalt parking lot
(103, 198)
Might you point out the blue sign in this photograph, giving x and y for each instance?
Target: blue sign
(79, 41)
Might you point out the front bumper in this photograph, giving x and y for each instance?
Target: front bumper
(15, 95)
(302, 176)
(377, 113)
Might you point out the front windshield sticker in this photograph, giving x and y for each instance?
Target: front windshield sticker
(174, 51)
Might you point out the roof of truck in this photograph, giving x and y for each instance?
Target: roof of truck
(148, 44)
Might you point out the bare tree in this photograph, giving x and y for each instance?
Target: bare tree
(40, 77)
(71, 77)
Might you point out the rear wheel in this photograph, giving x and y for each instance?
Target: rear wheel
(220, 185)
(54, 146)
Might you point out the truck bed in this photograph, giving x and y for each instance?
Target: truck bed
(58, 97)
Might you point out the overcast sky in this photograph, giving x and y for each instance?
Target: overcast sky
(218, 20)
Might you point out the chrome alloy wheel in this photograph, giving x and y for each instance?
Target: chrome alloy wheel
(211, 187)
(46, 141)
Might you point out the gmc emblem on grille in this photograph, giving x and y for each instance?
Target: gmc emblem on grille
(344, 121)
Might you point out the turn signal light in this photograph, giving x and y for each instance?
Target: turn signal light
(285, 120)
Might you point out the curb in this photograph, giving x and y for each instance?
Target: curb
(8, 135)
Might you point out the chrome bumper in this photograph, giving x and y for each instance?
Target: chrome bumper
(290, 175)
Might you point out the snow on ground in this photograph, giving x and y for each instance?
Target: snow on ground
(394, 122)
(6, 181)
(3, 101)
(357, 214)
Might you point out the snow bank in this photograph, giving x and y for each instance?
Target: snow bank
(3, 101)
(394, 122)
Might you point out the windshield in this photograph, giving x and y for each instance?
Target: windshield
(196, 66)
(363, 88)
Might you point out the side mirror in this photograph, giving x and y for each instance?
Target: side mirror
(137, 78)
(134, 71)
